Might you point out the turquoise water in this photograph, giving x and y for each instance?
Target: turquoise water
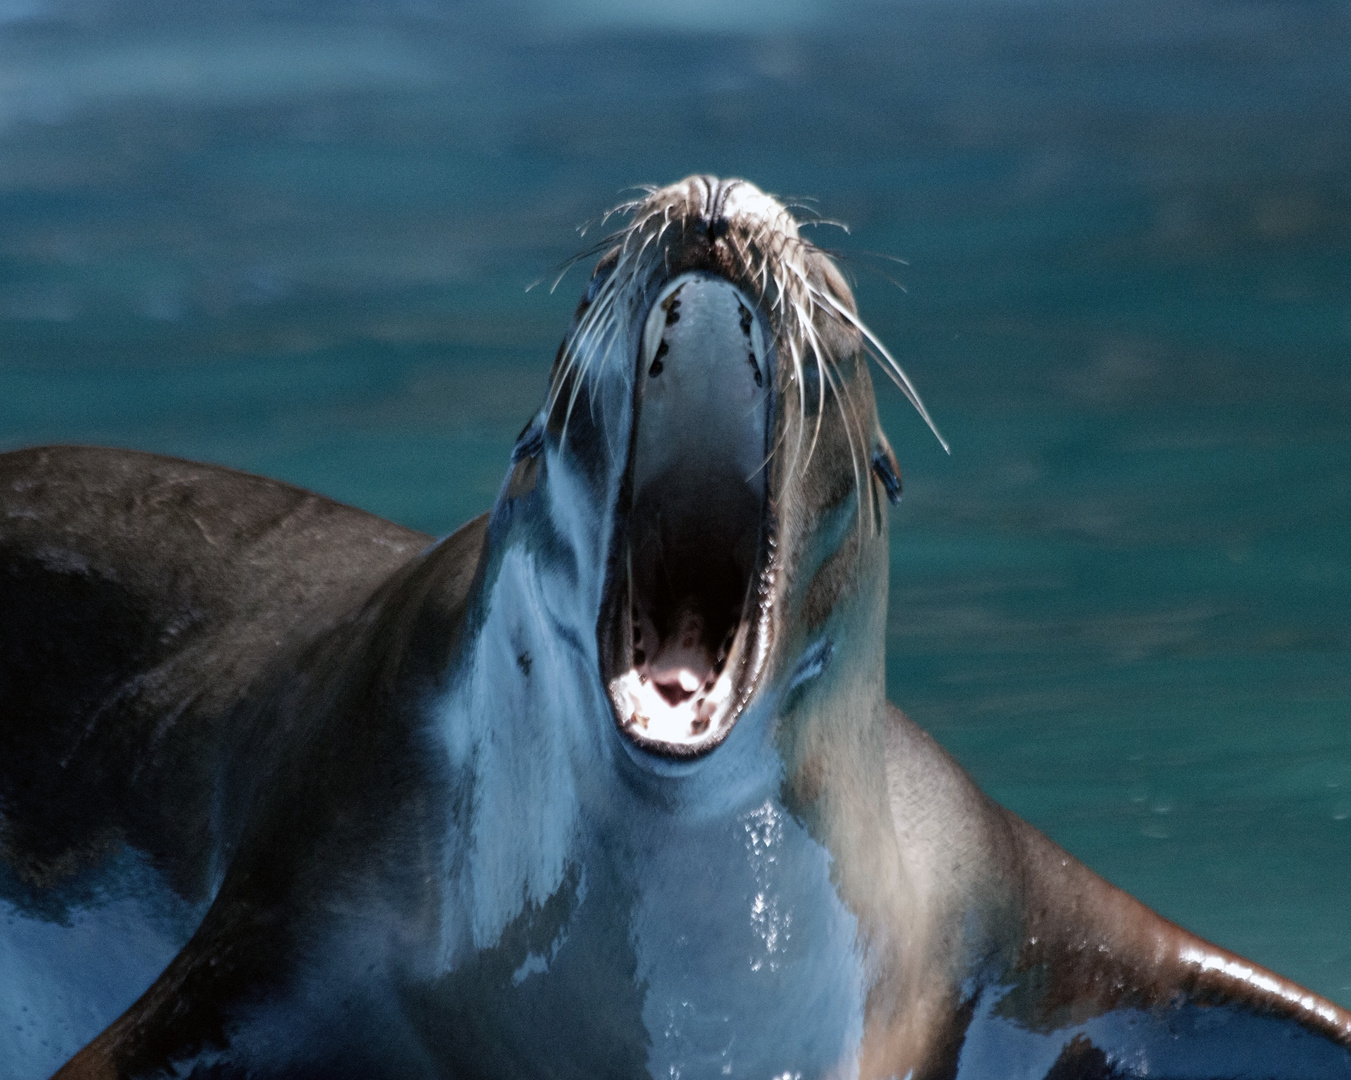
(296, 240)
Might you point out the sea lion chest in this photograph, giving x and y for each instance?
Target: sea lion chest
(673, 945)
(601, 918)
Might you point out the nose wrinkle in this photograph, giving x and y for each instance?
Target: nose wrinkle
(716, 193)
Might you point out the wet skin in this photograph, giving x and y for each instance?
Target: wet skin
(345, 802)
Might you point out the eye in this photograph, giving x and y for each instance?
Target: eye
(529, 442)
(884, 465)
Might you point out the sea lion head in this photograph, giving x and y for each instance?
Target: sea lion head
(712, 447)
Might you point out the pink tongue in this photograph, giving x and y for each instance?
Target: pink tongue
(681, 664)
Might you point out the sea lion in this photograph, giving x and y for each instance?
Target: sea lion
(603, 784)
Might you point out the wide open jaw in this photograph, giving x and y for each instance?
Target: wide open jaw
(682, 629)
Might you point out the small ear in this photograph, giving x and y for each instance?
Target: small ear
(886, 468)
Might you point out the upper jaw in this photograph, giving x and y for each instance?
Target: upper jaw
(683, 630)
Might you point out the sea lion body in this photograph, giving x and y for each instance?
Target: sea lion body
(585, 789)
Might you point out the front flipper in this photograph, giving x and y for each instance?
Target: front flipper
(1106, 988)
(1176, 1042)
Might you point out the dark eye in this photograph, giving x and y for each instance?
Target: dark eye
(885, 468)
(529, 442)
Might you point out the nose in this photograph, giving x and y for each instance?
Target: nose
(717, 194)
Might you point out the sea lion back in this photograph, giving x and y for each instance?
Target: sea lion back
(144, 602)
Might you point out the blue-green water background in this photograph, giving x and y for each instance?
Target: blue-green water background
(295, 238)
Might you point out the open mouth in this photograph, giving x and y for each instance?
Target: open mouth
(681, 627)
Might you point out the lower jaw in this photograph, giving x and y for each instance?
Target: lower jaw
(694, 725)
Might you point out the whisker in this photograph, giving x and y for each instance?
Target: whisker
(827, 222)
(891, 366)
(773, 259)
(846, 403)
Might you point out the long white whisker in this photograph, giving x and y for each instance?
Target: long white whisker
(581, 348)
(799, 378)
(849, 414)
(770, 256)
(891, 366)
